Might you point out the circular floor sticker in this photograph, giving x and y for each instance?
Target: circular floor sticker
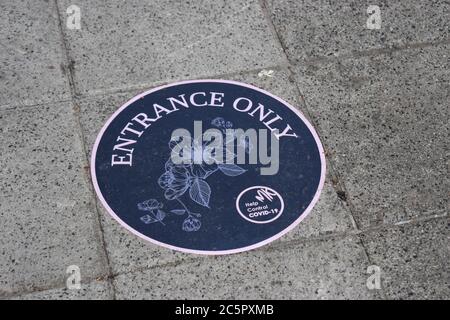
(208, 166)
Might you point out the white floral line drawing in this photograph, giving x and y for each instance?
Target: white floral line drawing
(179, 178)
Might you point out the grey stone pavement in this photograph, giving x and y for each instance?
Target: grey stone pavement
(378, 98)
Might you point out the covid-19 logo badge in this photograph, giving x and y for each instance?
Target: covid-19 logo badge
(208, 166)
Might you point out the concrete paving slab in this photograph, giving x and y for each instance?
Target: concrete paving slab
(97, 290)
(46, 208)
(413, 259)
(330, 269)
(312, 29)
(31, 54)
(127, 252)
(384, 120)
(125, 44)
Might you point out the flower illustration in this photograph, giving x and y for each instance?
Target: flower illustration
(191, 224)
(199, 149)
(149, 205)
(175, 181)
(218, 122)
(242, 141)
(155, 213)
(190, 178)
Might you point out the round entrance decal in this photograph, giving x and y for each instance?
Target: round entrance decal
(208, 166)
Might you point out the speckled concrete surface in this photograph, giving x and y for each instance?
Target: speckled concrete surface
(413, 257)
(321, 269)
(137, 43)
(95, 290)
(47, 211)
(384, 119)
(31, 51)
(378, 98)
(315, 29)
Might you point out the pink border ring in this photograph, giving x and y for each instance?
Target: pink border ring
(204, 252)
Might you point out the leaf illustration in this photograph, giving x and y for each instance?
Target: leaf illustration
(154, 216)
(147, 219)
(200, 192)
(231, 170)
(178, 212)
(208, 173)
(160, 215)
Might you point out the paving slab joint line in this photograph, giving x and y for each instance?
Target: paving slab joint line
(437, 215)
(76, 114)
(171, 264)
(357, 232)
(369, 52)
(88, 180)
(366, 253)
(147, 86)
(7, 107)
(95, 204)
(441, 214)
(85, 281)
(273, 247)
(68, 68)
(199, 258)
(352, 233)
(275, 34)
(339, 186)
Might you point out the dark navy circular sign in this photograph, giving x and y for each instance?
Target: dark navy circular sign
(208, 166)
